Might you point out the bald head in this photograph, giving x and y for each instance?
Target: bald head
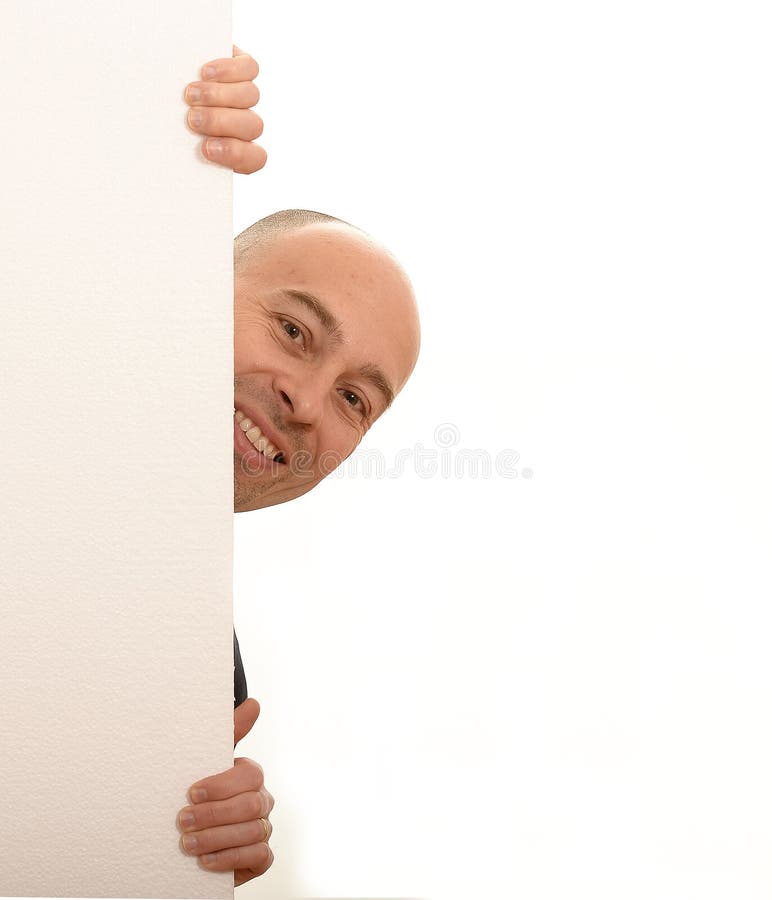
(286, 220)
(254, 242)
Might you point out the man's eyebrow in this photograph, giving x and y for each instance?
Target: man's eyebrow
(315, 306)
(376, 377)
(374, 374)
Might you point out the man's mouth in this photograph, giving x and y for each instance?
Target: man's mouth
(257, 439)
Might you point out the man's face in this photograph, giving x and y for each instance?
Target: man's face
(325, 330)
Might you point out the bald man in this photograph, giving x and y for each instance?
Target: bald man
(326, 333)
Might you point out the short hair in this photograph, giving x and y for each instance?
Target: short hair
(245, 244)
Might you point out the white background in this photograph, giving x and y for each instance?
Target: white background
(555, 686)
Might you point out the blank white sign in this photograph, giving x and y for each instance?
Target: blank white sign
(116, 391)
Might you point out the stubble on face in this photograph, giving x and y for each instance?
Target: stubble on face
(256, 488)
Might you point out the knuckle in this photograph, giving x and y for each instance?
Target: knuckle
(209, 816)
(257, 159)
(257, 127)
(256, 832)
(213, 121)
(266, 859)
(254, 804)
(233, 811)
(235, 155)
(233, 858)
(259, 774)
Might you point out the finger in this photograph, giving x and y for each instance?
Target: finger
(237, 123)
(246, 713)
(256, 856)
(243, 95)
(242, 808)
(244, 158)
(244, 775)
(241, 68)
(241, 834)
(242, 876)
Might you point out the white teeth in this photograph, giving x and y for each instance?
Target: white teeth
(255, 436)
(260, 441)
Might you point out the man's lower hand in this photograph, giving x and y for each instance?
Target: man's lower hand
(230, 822)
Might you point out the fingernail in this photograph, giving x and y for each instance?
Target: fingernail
(208, 858)
(209, 71)
(189, 841)
(214, 146)
(187, 819)
(198, 795)
(193, 94)
(194, 117)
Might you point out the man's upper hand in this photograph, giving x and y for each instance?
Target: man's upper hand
(223, 100)
(230, 823)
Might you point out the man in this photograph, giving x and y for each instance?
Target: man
(326, 333)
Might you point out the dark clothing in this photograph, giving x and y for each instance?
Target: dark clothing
(240, 692)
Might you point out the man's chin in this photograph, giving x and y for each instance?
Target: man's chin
(251, 493)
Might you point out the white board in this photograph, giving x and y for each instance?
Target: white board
(116, 401)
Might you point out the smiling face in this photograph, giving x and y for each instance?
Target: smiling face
(326, 333)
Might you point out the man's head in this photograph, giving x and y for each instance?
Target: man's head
(326, 333)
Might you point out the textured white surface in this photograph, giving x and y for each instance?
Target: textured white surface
(116, 531)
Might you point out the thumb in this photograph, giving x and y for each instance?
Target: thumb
(244, 717)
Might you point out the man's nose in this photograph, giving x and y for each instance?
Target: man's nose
(304, 402)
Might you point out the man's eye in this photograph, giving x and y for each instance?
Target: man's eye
(291, 329)
(356, 399)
